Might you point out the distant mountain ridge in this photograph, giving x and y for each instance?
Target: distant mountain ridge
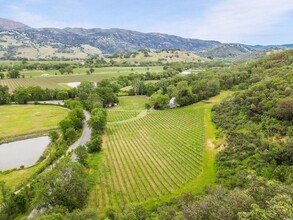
(18, 40)
(6, 24)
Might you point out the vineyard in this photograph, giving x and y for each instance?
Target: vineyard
(121, 115)
(149, 158)
(129, 107)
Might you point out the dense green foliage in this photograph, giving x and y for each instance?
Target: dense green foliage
(66, 185)
(258, 127)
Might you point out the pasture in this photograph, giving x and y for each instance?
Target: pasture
(19, 120)
(152, 158)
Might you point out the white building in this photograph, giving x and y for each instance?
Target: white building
(172, 103)
(185, 72)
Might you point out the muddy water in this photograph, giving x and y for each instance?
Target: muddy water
(25, 152)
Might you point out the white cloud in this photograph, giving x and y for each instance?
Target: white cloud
(238, 20)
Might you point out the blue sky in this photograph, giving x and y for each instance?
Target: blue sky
(243, 21)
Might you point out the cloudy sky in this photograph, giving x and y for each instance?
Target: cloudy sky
(243, 21)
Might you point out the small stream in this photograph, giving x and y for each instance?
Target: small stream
(25, 152)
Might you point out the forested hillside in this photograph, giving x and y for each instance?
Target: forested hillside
(255, 142)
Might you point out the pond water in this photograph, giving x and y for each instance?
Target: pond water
(25, 152)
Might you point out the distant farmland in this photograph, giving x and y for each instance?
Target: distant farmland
(58, 81)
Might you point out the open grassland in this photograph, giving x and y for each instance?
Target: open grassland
(16, 178)
(162, 56)
(129, 107)
(59, 81)
(25, 119)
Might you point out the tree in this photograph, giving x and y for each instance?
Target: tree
(184, 94)
(171, 90)
(159, 101)
(72, 104)
(70, 135)
(62, 71)
(68, 70)
(65, 124)
(76, 116)
(82, 155)
(13, 74)
(36, 93)
(4, 95)
(98, 121)
(95, 144)
(2, 75)
(53, 135)
(21, 95)
(62, 94)
(107, 95)
(12, 204)
(66, 185)
(92, 70)
(138, 85)
(285, 108)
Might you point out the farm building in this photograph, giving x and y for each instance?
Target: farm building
(185, 73)
(45, 74)
(172, 103)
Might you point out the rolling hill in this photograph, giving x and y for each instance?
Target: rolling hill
(19, 41)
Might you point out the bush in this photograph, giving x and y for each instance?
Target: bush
(53, 135)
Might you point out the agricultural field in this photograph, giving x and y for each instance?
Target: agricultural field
(59, 81)
(101, 70)
(129, 107)
(152, 158)
(19, 120)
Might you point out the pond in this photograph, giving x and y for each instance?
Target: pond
(22, 153)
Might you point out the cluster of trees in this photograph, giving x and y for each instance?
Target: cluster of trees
(58, 192)
(186, 89)
(72, 125)
(66, 185)
(97, 123)
(14, 71)
(22, 95)
(103, 94)
(259, 131)
(87, 93)
(25, 65)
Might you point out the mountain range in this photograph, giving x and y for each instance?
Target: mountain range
(18, 40)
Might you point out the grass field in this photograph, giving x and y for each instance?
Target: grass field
(79, 75)
(129, 107)
(154, 158)
(25, 119)
(16, 178)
